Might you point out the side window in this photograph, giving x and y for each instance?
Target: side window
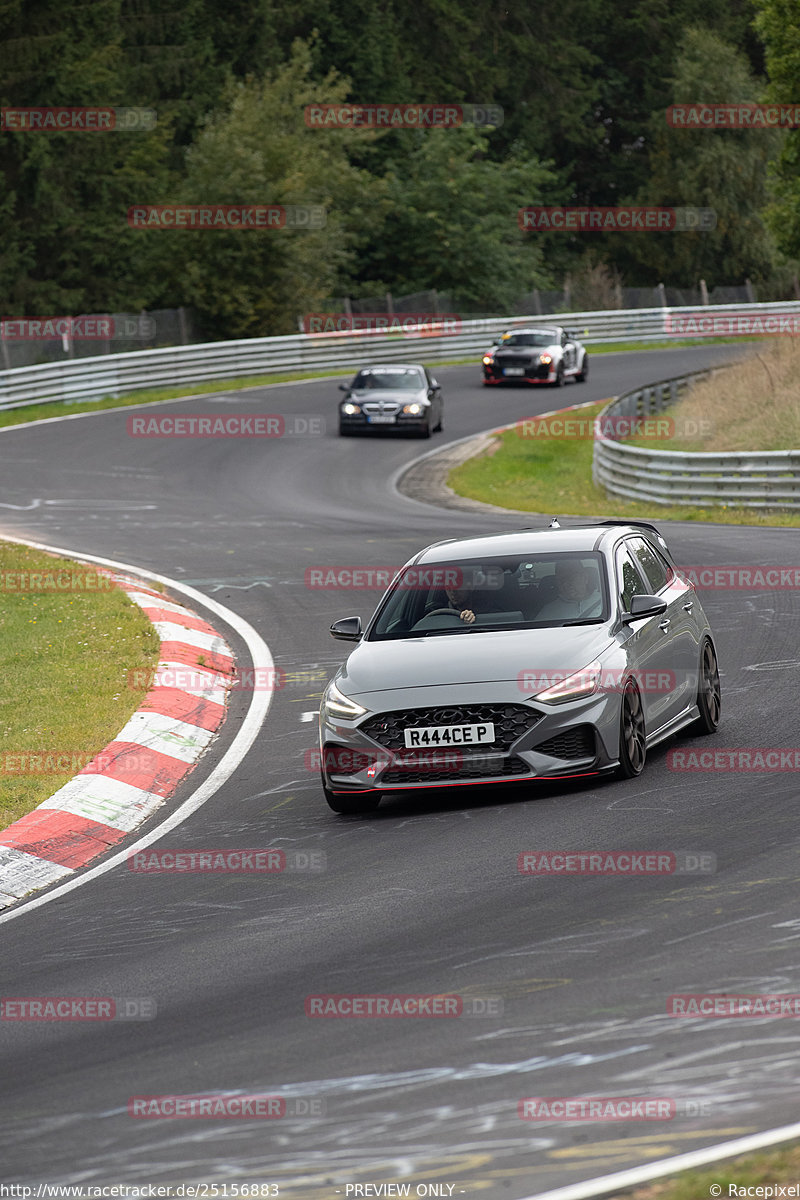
(629, 581)
(652, 565)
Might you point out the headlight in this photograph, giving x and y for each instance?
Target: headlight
(488, 358)
(339, 705)
(412, 409)
(545, 358)
(351, 409)
(574, 687)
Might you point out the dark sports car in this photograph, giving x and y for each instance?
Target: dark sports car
(544, 354)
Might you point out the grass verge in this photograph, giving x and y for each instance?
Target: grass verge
(69, 654)
(752, 406)
(553, 475)
(39, 412)
(780, 1166)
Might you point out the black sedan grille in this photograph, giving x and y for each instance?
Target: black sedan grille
(575, 743)
(462, 769)
(510, 722)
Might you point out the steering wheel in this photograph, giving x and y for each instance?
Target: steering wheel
(440, 612)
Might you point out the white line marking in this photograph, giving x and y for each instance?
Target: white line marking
(309, 716)
(248, 730)
(604, 1184)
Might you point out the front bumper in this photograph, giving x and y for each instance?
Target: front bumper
(533, 373)
(402, 423)
(533, 742)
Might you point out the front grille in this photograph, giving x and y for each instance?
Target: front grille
(464, 770)
(575, 743)
(510, 722)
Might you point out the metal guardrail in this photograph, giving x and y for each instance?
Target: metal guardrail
(116, 375)
(767, 479)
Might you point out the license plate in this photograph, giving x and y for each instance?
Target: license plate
(513, 370)
(450, 735)
(382, 419)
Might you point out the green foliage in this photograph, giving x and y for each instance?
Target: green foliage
(725, 170)
(778, 23)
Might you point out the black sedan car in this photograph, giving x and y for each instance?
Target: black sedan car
(395, 397)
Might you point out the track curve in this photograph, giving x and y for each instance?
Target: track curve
(413, 900)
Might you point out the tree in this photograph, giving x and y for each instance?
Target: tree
(777, 23)
(724, 170)
(257, 149)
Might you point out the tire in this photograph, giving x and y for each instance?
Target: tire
(583, 374)
(632, 744)
(425, 432)
(440, 426)
(709, 698)
(351, 805)
(559, 379)
(345, 432)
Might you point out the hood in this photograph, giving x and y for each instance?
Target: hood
(396, 395)
(527, 350)
(489, 657)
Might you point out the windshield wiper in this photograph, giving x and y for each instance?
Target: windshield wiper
(583, 621)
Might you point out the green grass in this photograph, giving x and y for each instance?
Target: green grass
(38, 412)
(780, 1166)
(553, 475)
(65, 656)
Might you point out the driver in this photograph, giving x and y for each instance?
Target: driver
(577, 592)
(460, 598)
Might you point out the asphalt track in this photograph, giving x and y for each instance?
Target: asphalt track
(423, 897)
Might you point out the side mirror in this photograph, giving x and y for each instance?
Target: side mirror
(344, 387)
(644, 606)
(348, 629)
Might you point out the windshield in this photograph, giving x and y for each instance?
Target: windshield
(407, 379)
(469, 597)
(529, 339)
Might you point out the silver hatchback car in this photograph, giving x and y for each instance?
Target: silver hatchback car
(518, 657)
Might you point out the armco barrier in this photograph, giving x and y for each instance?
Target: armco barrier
(758, 479)
(118, 374)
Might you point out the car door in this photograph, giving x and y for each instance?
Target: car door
(664, 582)
(648, 645)
(435, 396)
(568, 351)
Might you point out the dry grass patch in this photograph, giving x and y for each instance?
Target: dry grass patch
(753, 405)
